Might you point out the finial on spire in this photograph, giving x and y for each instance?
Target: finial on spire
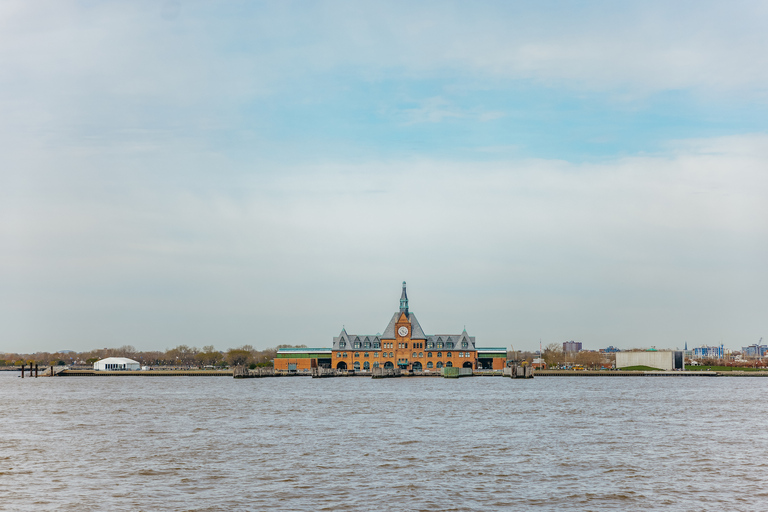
(404, 300)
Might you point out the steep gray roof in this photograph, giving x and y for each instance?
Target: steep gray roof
(416, 330)
(350, 340)
(456, 339)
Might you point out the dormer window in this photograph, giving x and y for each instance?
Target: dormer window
(439, 344)
(342, 344)
(449, 344)
(376, 344)
(357, 344)
(367, 344)
(464, 344)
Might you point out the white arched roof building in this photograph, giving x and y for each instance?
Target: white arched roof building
(117, 363)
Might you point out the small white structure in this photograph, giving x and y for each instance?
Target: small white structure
(116, 363)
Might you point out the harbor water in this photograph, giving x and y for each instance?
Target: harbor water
(480, 443)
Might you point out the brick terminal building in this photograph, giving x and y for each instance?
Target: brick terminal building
(403, 345)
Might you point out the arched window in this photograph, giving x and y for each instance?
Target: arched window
(439, 354)
(345, 355)
(429, 364)
(357, 354)
(366, 365)
(391, 354)
(439, 364)
(429, 354)
(357, 365)
(449, 364)
(375, 354)
(414, 355)
(447, 354)
(464, 344)
(366, 354)
(421, 354)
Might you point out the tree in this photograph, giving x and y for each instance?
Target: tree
(208, 356)
(589, 359)
(182, 354)
(238, 356)
(553, 354)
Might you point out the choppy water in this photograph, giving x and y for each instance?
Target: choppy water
(197, 443)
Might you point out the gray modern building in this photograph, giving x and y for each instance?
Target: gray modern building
(661, 359)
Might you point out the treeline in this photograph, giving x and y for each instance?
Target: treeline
(554, 356)
(179, 356)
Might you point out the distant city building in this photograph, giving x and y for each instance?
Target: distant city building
(571, 346)
(611, 349)
(708, 352)
(754, 350)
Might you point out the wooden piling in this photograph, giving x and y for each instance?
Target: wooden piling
(22, 371)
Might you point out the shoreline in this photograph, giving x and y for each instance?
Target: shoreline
(538, 373)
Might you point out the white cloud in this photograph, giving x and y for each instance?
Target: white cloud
(122, 221)
(664, 246)
(208, 51)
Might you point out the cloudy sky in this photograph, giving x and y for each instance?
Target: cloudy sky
(265, 172)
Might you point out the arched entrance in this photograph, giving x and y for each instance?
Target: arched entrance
(341, 366)
(467, 364)
(357, 365)
(388, 365)
(417, 366)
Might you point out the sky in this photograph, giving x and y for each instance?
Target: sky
(264, 173)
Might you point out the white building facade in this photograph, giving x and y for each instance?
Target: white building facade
(116, 363)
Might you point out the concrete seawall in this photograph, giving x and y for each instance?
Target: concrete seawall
(620, 373)
(145, 373)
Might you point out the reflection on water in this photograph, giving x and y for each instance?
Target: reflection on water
(186, 443)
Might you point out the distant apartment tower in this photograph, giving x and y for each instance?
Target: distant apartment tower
(571, 346)
(708, 352)
(754, 350)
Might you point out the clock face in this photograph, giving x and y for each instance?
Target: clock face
(403, 331)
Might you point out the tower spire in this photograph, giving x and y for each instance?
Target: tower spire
(404, 300)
